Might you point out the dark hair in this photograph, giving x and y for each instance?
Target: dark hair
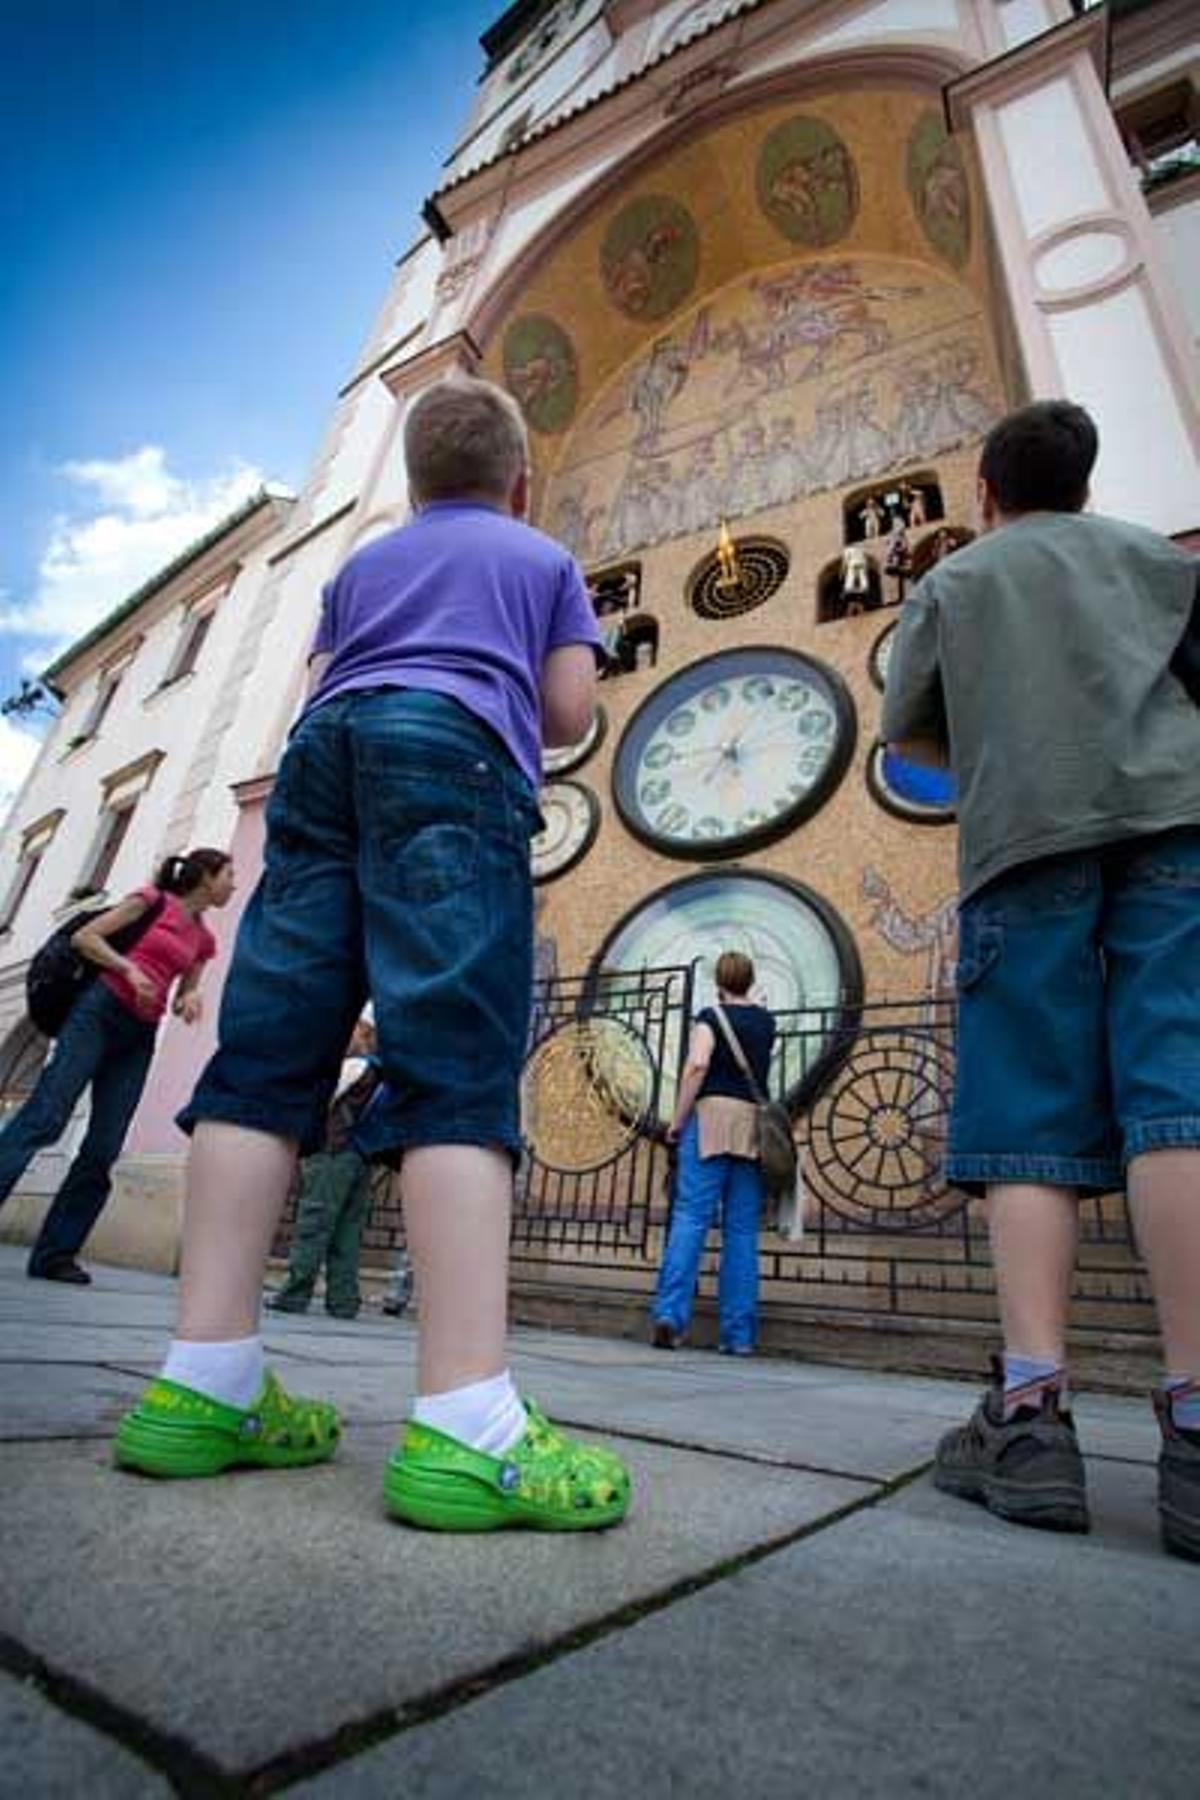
(735, 972)
(180, 874)
(1039, 459)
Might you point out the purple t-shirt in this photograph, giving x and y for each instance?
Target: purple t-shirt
(463, 600)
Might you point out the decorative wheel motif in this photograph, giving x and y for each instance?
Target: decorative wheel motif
(587, 1091)
(763, 565)
(877, 1134)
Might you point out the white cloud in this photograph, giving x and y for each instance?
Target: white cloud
(17, 752)
(130, 518)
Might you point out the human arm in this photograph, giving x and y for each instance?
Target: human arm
(914, 705)
(91, 942)
(318, 663)
(574, 653)
(187, 1004)
(700, 1051)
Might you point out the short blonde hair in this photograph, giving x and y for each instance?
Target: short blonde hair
(464, 436)
(735, 972)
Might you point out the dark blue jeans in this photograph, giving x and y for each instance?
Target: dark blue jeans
(102, 1046)
(396, 865)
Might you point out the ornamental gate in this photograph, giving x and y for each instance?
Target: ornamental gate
(868, 1086)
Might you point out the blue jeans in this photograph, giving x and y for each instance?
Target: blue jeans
(1079, 1016)
(105, 1046)
(730, 1186)
(396, 865)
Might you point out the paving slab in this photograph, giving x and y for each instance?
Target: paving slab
(311, 1608)
(39, 1400)
(48, 1755)
(917, 1648)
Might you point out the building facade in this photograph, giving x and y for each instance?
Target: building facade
(761, 274)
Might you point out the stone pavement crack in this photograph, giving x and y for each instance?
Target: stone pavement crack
(352, 1739)
(191, 1774)
(726, 1452)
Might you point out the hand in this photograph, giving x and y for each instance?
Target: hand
(144, 990)
(674, 1132)
(189, 1008)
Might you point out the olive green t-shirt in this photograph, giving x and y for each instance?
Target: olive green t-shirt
(1058, 660)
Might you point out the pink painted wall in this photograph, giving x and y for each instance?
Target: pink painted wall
(183, 1050)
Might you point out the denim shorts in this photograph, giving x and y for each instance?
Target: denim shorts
(396, 866)
(1079, 1016)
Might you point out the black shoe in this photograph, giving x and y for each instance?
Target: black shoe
(1178, 1484)
(63, 1268)
(663, 1338)
(282, 1301)
(1027, 1468)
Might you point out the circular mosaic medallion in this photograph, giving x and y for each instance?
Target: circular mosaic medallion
(572, 818)
(649, 257)
(940, 191)
(570, 756)
(881, 656)
(807, 183)
(586, 1093)
(910, 790)
(541, 371)
(760, 570)
(877, 1135)
(733, 751)
(806, 966)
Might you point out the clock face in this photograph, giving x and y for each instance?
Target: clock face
(881, 656)
(733, 751)
(910, 790)
(806, 966)
(572, 818)
(570, 756)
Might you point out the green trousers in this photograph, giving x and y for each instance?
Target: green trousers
(335, 1198)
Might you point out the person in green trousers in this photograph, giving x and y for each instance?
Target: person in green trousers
(335, 1197)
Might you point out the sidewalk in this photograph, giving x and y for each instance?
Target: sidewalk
(791, 1607)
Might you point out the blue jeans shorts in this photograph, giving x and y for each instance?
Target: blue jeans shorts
(1079, 1016)
(396, 866)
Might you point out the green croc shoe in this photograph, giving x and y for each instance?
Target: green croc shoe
(547, 1482)
(175, 1430)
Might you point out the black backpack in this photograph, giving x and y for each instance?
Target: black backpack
(58, 977)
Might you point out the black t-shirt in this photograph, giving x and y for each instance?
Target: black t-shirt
(755, 1030)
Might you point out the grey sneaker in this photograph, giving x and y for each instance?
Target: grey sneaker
(1178, 1484)
(1028, 1469)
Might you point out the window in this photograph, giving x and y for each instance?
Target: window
(196, 627)
(35, 841)
(114, 825)
(120, 792)
(105, 695)
(1161, 131)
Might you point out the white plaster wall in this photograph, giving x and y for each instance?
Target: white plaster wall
(1178, 227)
(1110, 361)
(543, 94)
(883, 21)
(1051, 158)
(1021, 20)
(409, 301)
(348, 467)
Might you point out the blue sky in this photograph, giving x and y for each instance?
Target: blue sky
(200, 203)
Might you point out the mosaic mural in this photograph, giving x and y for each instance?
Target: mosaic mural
(649, 257)
(941, 194)
(541, 369)
(788, 383)
(807, 183)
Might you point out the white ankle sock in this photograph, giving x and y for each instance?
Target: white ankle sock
(488, 1415)
(232, 1372)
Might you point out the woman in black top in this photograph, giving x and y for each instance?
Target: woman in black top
(718, 1170)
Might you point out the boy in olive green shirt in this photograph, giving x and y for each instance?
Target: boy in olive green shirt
(1056, 662)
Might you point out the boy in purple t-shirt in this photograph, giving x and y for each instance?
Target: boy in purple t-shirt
(397, 866)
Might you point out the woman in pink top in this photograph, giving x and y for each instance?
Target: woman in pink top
(107, 1044)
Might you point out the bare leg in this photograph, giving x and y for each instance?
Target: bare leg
(237, 1183)
(457, 1207)
(1035, 1233)
(1164, 1197)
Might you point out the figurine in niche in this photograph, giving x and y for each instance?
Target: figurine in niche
(913, 500)
(872, 516)
(856, 581)
(898, 561)
(944, 545)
